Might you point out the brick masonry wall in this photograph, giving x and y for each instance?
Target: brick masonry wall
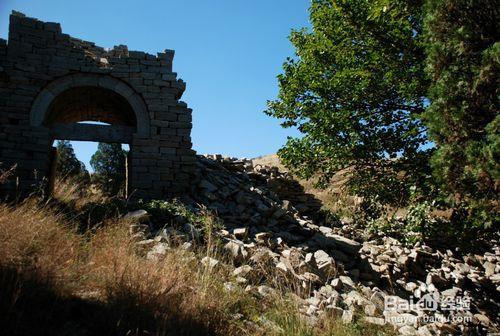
(38, 60)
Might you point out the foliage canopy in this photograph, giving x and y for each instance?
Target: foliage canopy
(108, 163)
(67, 164)
(464, 64)
(356, 90)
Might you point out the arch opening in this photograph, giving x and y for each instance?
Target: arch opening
(90, 108)
(89, 103)
(89, 97)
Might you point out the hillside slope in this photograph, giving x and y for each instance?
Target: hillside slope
(334, 197)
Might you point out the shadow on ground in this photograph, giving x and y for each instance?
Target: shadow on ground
(32, 305)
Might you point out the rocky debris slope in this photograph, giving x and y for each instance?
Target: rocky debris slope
(270, 240)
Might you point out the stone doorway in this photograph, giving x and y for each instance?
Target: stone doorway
(87, 179)
(75, 112)
(50, 82)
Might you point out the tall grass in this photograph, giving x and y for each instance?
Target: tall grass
(56, 279)
(103, 270)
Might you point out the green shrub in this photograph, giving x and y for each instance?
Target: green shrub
(416, 226)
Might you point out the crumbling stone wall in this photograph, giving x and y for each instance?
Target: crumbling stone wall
(50, 81)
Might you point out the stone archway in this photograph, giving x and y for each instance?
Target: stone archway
(66, 102)
(50, 81)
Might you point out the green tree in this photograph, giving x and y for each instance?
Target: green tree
(67, 164)
(108, 163)
(356, 90)
(463, 61)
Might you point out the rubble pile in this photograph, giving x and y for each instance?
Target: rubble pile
(418, 290)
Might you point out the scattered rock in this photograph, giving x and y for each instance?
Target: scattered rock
(347, 316)
(140, 216)
(265, 291)
(237, 250)
(335, 271)
(336, 284)
(375, 320)
(242, 270)
(407, 331)
(345, 244)
(240, 233)
(209, 262)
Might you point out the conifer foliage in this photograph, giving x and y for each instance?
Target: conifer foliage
(108, 163)
(464, 65)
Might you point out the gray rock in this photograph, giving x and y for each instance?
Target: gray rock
(140, 216)
(371, 309)
(411, 286)
(310, 278)
(495, 278)
(237, 250)
(229, 286)
(407, 331)
(324, 262)
(242, 270)
(265, 291)
(158, 250)
(452, 292)
(333, 311)
(280, 212)
(436, 280)
(325, 230)
(347, 281)
(263, 254)
(354, 298)
(240, 233)
(241, 280)
(347, 316)
(339, 256)
(483, 319)
(287, 205)
(147, 243)
(192, 231)
(272, 326)
(345, 244)
(424, 331)
(489, 268)
(336, 284)
(209, 262)
(263, 237)
(204, 184)
(282, 266)
(375, 320)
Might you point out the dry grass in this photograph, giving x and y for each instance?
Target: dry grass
(57, 280)
(35, 238)
(75, 193)
(45, 262)
(5, 174)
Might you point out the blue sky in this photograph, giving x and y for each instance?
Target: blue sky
(228, 51)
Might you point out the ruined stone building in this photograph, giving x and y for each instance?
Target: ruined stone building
(51, 82)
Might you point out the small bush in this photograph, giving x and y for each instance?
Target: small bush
(416, 226)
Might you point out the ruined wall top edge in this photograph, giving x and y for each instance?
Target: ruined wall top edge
(90, 48)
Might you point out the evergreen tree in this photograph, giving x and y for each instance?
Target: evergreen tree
(464, 63)
(67, 164)
(108, 163)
